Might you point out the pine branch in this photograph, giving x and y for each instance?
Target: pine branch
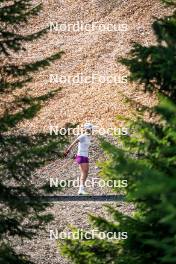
(19, 12)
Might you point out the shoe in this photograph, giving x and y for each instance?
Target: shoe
(82, 192)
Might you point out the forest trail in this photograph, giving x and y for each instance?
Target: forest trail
(85, 52)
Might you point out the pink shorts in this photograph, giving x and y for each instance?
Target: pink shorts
(82, 159)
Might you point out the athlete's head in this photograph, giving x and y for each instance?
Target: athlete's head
(88, 128)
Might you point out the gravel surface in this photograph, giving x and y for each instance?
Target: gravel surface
(88, 52)
(44, 250)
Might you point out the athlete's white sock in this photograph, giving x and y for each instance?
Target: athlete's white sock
(81, 187)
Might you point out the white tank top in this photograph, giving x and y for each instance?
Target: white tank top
(83, 146)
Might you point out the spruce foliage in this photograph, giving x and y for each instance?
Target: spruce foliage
(21, 215)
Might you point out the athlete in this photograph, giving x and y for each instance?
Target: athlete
(82, 157)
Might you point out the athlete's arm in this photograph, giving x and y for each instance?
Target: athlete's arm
(71, 146)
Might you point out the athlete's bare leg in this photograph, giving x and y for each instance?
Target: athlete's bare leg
(84, 169)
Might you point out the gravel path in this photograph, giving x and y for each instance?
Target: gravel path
(43, 250)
